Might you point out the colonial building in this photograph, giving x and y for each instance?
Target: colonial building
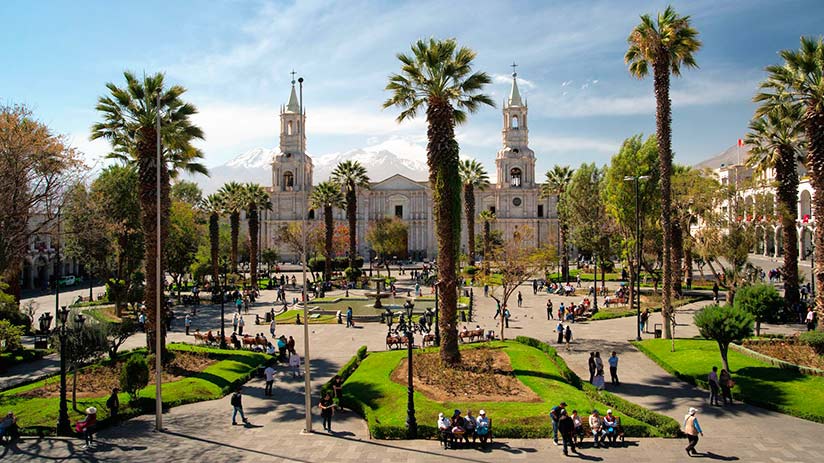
(514, 197)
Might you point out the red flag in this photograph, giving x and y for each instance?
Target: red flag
(740, 142)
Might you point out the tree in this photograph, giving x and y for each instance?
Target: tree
(234, 202)
(117, 334)
(666, 45)
(134, 376)
(270, 257)
(10, 336)
(187, 192)
(327, 195)
(214, 206)
(556, 183)
(800, 82)
(388, 237)
(636, 158)
(103, 231)
(129, 122)
(291, 236)
(775, 141)
(37, 167)
(761, 301)
(473, 176)
(515, 263)
(351, 175)
(723, 324)
(487, 217)
(257, 199)
(185, 235)
(438, 76)
(588, 220)
(83, 344)
(693, 196)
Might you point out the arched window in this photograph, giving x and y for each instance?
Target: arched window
(289, 128)
(515, 122)
(311, 214)
(288, 181)
(515, 177)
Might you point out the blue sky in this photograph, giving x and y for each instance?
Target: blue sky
(235, 58)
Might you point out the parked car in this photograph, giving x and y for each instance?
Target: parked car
(68, 280)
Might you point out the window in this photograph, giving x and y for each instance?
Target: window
(515, 177)
(311, 214)
(289, 128)
(515, 122)
(492, 209)
(399, 211)
(288, 181)
(540, 210)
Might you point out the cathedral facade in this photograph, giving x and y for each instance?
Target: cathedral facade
(513, 197)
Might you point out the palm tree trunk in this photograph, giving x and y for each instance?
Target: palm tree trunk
(352, 217)
(214, 246)
(442, 150)
(487, 237)
(253, 244)
(663, 128)
(814, 127)
(677, 256)
(234, 223)
(329, 225)
(469, 210)
(787, 177)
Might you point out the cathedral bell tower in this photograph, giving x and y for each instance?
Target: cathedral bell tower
(292, 167)
(515, 161)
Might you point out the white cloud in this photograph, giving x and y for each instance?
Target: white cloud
(566, 83)
(507, 79)
(93, 152)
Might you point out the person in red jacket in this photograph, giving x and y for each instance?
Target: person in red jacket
(87, 425)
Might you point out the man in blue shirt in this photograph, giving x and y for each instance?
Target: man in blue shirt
(613, 368)
(555, 415)
(692, 429)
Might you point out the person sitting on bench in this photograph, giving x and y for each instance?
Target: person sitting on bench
(8, 427)
(444, 426)
(483, 427)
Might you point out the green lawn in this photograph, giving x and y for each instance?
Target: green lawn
(290, 317)
(39, 415)
(757, 382)
(653, 303)
(383, 402)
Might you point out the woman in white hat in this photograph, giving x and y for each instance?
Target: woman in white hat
(692, 429)
(86, 426)
(444, 425)
(483, 427)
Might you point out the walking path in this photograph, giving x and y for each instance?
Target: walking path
(203, 431)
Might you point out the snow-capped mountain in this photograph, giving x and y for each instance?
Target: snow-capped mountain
(381, 160)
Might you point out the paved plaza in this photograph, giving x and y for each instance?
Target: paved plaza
(203, 431)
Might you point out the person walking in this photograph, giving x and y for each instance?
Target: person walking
(520, 299)
(726, 383)
(567, 428)
(613, 368)
(235, 318)
(644, 320)
(240, 325)
(810, 319)
(269, 373)
(568, 337)
(549, 309)
(187, 322)
(560, 331)
(692, 429)
(349, 323)
(591, 365)
(272, 327)
(555, 416)
(506, 317)
(327, 409)
(237, 406)
(715, 292)
(712, 378)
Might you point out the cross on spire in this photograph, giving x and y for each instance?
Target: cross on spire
(293, 76)
(513, 66)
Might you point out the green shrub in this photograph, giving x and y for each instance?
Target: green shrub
(470, 270)
(761, 301)
(814, 339)
(134, 376)
(347, 369)
(352, 274)
(10, 336)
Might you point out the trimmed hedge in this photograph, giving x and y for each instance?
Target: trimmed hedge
(347, 369)
(814, 339)
(659, 425)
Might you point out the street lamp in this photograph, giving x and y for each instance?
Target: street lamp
(411, 423)
(222, 312)
(638, 239)
(63, 425)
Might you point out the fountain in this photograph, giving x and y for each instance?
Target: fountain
(379, 293)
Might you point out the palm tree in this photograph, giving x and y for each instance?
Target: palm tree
(214, 206)
(256, 198)
(129, 123)
(327, 195)
(233, 200)
(473, 175)
(775, 143)
(351, 175)
(800, 82)
(556, 184)
(487, 217)
(438, 76)
(666, 44)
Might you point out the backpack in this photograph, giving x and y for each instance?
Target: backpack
(235, 401)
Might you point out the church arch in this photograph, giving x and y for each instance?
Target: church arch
(288, 181)
(515, 175)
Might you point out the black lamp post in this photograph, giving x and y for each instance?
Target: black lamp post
(222, 312)
(411, 423)
(63, 425)
(637, 179)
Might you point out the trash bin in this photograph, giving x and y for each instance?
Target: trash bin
(658, 329)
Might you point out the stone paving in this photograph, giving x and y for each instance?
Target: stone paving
(203, 431)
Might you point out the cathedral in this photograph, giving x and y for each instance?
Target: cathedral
(513, 198)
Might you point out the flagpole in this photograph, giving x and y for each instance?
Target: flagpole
(158, 320)
(306, 370)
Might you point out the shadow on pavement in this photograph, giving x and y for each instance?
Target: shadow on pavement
(715, 456)
(234, 447)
